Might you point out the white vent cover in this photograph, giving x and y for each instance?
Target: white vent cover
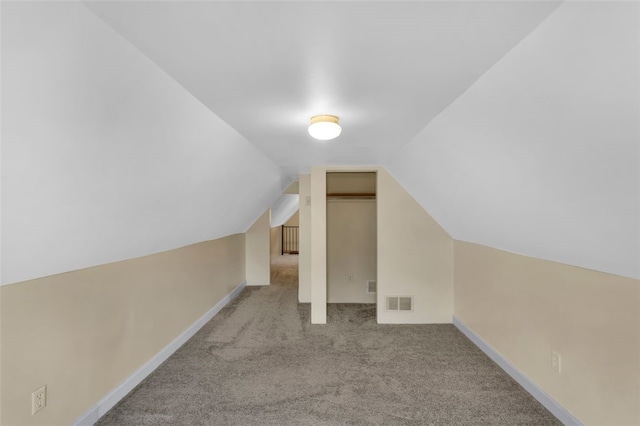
(372, 286)
(400, 303)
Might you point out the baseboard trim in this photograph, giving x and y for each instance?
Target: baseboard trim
(92, 415)
(536, 391)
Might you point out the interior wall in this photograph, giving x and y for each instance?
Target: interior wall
(318, 245)
(540, 156)
(415, 257)
(294, 220)
(292, 188)
(276, 235)
(283, 208)
(351, 250)
(104, 156)
(289, 237)
(276, 241)
(258, 251)
(285, 211)
(350, 182)
(525, 308)
(83, 332)
(304, 236)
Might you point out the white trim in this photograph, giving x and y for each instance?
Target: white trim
(105, 404)
(529, 385)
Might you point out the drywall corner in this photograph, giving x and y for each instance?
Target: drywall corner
(415, 257)
(258, 248)
(304, 258)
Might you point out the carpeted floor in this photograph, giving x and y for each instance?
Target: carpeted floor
(260, 362)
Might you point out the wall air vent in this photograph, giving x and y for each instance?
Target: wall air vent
(372, 286)
(400, 303)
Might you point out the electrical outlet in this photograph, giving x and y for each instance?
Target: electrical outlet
(556, 362)
(38, 399)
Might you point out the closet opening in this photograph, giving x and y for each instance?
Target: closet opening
(351, 219)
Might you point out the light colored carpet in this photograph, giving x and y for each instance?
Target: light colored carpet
(284, 270)
(260, 362)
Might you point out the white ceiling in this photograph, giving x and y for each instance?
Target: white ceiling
(386, 68)
(135, 127)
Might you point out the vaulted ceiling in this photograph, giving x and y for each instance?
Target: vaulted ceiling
(137, 126)
(385, 68)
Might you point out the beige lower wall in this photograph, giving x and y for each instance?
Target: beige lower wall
(415, 257)
(414, 254)
(304, 236)
(258, 251)
(318, 245)
(294, 220)
(276, 241)
(82, 333)
(525, 308)
(351, 250)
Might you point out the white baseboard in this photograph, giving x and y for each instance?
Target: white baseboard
(92, 415)
(536, 391)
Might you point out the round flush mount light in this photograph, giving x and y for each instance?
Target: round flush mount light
(324, 127)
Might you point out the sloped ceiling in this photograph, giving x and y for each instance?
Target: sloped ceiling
(124, 123)
(104, 156)
(385, 68)
(541, 155)
(283, 208)
(538, 154)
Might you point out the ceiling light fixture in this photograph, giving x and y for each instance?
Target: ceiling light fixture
(324, 127)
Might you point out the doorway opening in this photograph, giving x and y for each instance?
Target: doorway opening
(285, 220)
(352, 249)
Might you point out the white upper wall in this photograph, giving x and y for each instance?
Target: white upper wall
(104, 156)
(283, 208)
(541, 156)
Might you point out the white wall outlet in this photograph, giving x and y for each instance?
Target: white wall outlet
(38, 399)
(556, 362)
